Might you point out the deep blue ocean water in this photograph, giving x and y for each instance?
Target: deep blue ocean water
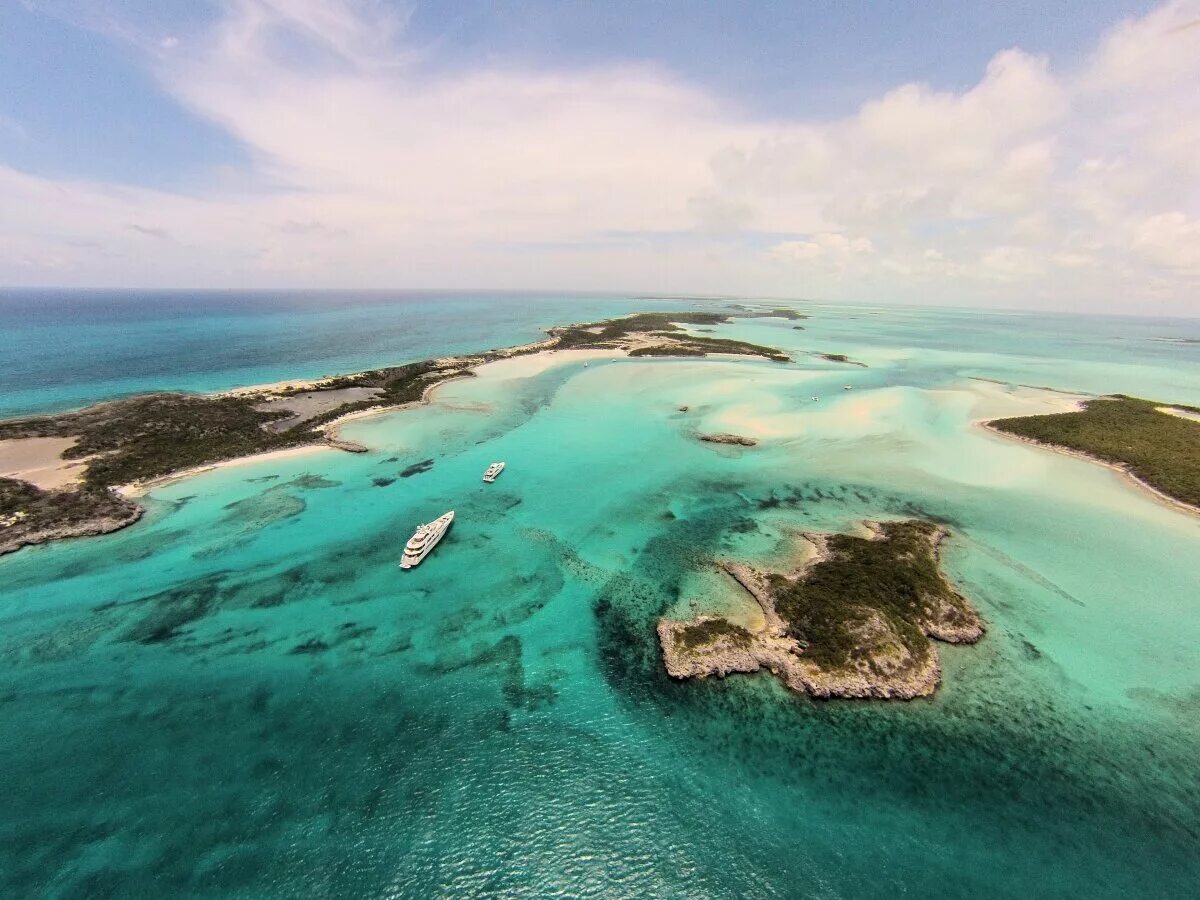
(243, 696)
(62, 349)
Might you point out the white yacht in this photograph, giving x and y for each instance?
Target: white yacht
(492, 471)
(424, 539)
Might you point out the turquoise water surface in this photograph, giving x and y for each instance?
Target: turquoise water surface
(242, 695)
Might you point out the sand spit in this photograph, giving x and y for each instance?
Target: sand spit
(1189, 414)
(882, 666)
(1122, 470)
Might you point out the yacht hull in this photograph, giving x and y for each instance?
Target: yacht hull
(431, 535)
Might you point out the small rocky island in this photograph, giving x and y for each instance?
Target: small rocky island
(858, 620)
(724, 438)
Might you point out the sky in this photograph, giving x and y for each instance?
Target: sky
(1019, 155)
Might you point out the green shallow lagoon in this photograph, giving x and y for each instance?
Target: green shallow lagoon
(243, 695)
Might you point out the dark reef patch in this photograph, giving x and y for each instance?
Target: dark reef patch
(171, 610)
(310, 482)
(505, 658)
(312, 645)
(417, 468)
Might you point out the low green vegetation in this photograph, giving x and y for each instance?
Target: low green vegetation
(666, 350)
(780, 313)
(1161, 449)
(611, 333)
(709, 631)
(894, 576)
(399, 384)
(841, 358)
(152, 435)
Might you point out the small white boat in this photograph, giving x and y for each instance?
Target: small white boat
(847, 387)
(815, 399)
(492, 471)
(424, 539)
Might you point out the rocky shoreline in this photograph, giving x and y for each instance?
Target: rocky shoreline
(883, 664)
(13, 539)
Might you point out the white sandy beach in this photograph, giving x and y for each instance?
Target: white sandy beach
(139, 488)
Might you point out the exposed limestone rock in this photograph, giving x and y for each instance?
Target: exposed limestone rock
(823, 639)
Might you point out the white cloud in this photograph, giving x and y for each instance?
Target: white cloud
(829, 248)
(1069, 260)
(371, 171)
(1171, 240)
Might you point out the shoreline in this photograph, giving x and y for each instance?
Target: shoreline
(331, 429)
(1119, 468)
(712, 645)
(332, 439)
(225, 428)
(142, 488)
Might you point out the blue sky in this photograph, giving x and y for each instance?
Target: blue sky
(75, 102)
(763, 147)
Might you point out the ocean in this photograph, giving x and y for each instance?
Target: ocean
(243, 696)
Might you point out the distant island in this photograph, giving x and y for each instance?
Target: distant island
(856, 621)
(138, 440)
(1155, 444)
(841, 358)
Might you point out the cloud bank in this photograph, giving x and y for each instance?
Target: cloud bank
(1032, 187)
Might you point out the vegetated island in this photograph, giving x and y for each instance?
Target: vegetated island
(746, 312)
(841, 358)
(726, 438)
(855, 621)
(141, 439)
(1155, 444)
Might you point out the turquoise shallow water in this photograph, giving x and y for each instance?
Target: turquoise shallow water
(243, 696)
